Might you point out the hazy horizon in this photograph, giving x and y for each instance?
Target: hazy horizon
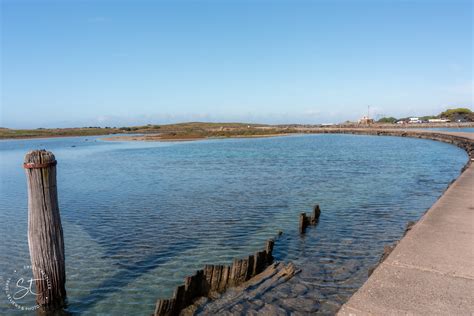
(98, 63)
(145, 120)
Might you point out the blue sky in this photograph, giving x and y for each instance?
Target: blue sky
(82, 63)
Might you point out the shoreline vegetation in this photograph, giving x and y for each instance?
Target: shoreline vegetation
(199, 130)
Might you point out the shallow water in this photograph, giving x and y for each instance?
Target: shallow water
(138, 217)
(453, 129)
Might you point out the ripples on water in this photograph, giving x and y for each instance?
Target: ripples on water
(138, 217)
(453, 129)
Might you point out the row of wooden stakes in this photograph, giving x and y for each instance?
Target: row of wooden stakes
(218, 278)
(215, 278)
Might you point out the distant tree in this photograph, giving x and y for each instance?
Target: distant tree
(458, 114)
(428, 117)
(387, 120)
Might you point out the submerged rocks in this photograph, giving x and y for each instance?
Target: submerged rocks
(387, 250)
(302, 304)
(245, 299)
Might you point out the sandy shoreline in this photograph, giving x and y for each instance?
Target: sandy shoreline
(159, 138)
(193, 131)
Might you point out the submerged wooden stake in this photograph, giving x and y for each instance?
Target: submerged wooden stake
(316, 214)
(45, 233)
(305, 221)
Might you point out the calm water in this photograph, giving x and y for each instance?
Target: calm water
(138, 217)
(448, 129)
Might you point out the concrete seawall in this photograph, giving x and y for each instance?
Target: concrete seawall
(431, 270)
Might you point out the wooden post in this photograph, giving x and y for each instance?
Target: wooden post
(269, 251)
(45, 233)
(224, 278)
(303, 223)
(316, 214)
(269, 247)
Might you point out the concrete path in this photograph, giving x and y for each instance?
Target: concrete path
(431, 271)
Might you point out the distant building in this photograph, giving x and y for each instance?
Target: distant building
(438, 120)
(366, 120)
(414, 120)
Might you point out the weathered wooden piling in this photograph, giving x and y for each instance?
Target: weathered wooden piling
(316, 214)
(215, 279)
(304, 222)
(45, 233)
(313, 220)
(269, 250)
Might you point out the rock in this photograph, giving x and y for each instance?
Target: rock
(246, 297)
(272, 310)
(386, 252)
(301, 304)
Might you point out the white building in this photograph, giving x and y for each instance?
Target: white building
(414, 120)
(440, 120)
(366, 120)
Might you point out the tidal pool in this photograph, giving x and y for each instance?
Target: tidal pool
(138, 217)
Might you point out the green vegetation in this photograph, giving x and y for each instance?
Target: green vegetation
(454, 115)
(390, 120)
(181, 130)
(203, 130)
(428, 117)
(462, 114)
(6, 133)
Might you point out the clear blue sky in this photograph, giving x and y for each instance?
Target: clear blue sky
(81, 63)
